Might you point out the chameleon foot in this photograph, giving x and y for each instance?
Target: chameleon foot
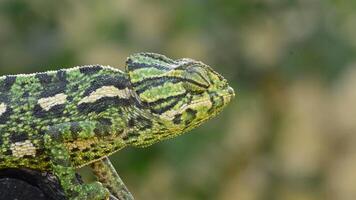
(92, 191)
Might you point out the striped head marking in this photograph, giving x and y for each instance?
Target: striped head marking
(183, 93)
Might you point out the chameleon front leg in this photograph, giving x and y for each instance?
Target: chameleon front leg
(107, 175)
(62, 168)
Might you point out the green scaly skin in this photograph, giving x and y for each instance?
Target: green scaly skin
(58, 121)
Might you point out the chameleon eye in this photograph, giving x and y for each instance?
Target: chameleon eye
(196, 79)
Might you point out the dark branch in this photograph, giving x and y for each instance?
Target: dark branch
(23, 184)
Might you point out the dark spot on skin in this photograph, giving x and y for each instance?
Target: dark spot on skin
(4, 98)
(7, 83)
(44, 78)
(177, 119)
(212, 96)
(134, 135)
(129, 62)
(221, 102)
(140, 122)
(46, 165)
(39, 152)
(191, 111)
(131, 123)
(52, 85)
(8, 152)
(61, 75)
(70, 99)
(55, 134)
(26, 94)
(38, 111)
(19, 121)
(27, 157)
(144, 123)
(86, 150)
(74, 155)
(148, 139)
(46, 159)
(97, 131)
(75, 128)
(191, 115)
(18, 137)
(23, 84)
(105, 121)
(89, 70)
(33, 162)
(74, 88)
(126, 137)
(85, 157)
(55, 112)
(40, 132)
(103, 127)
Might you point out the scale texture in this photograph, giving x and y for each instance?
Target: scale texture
(58, 121)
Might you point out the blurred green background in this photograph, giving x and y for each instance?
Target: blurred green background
(289, 134)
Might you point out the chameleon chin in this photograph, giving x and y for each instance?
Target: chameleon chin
(58, 121)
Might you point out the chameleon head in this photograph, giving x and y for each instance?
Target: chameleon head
(181, 94)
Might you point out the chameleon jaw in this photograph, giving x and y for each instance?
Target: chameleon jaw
(207, 103)
(169, 115)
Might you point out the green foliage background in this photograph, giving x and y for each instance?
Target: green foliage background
(289, 135)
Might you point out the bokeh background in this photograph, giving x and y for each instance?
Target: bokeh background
(289, 134)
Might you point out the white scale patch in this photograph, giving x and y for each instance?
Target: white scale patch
(49, 102)
(3, 108)
(21, 149)
(106, 91)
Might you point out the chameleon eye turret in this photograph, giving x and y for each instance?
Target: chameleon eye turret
(59, 121)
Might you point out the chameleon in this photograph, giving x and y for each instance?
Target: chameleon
(59, 121)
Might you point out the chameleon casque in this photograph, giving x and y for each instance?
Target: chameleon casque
(59, 121)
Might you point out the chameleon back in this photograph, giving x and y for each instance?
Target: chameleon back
(30, 104)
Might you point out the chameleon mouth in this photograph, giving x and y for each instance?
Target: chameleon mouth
(169, 115)
(210, 116)
(208, 102)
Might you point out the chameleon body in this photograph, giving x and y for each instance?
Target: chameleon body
(58, 121)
